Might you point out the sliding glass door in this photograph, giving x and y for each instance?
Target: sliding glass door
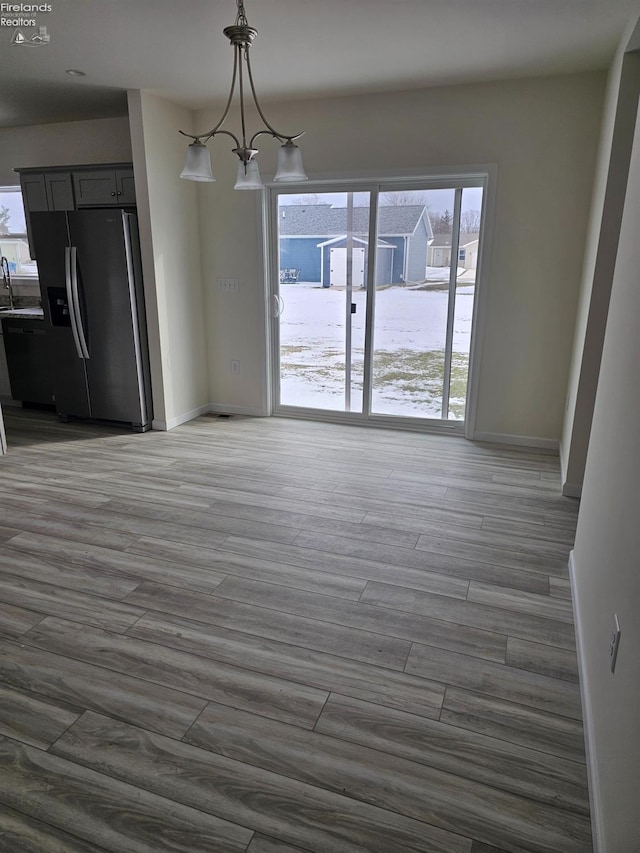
(380, 332)
(321, 299)
(422, 327)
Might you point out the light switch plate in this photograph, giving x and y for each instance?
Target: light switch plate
(228, 285)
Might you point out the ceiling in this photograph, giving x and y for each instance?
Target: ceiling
(305, 48)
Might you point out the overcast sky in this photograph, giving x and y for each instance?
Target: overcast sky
(438, 200)
(13, 201)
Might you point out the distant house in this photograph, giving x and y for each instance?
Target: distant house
(439, 253)
(313, 240)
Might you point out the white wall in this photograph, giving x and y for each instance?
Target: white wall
(168, 217)
(542, 135)
(62, 144)
(606, 213)
(606, 570)
(104, 140)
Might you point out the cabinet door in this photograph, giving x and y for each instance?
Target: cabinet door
(95, 188)
(126, 188)
(5, 387)
(59, 190)
(34, 197)
(34, 193)
(28, 360)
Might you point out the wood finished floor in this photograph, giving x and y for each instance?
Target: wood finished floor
(276, 636)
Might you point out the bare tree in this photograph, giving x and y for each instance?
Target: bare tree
(307, 199)
(470, 221)
(441, 222)
(5, 216)
(403, 198)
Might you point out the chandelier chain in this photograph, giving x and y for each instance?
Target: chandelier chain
(241, 18)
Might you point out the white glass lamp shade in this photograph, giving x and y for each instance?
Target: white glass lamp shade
(197, 164)
(290, 166)
(249, 180)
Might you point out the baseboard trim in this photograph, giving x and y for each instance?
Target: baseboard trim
(208, 408)
(571, 490)
(563, 461)
(548, 444)
(160, 424)
(232, 409)
(592, 775)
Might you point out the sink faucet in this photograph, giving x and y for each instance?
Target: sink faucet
(6, 279)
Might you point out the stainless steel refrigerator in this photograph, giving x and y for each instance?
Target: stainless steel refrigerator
(91, 285)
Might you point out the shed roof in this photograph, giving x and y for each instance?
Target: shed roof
(445, 239)
(320, 220)
(341, 238)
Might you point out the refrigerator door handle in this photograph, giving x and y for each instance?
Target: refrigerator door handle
(70, 302)
(76, 302)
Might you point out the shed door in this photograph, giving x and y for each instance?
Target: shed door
(338, 267)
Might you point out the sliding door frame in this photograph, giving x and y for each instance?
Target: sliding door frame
(455, 178)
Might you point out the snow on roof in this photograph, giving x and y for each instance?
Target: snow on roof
(320, 220)
(382, 244)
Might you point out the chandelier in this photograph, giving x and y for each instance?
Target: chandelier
(198, 163)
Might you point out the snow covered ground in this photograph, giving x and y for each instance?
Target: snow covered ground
(409, 341)
(442, 274)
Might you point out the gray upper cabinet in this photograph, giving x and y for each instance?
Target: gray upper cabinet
(45, 191)
(59, 190)
(126, 186)
(75, 187)
(34, 193)
(103, 187)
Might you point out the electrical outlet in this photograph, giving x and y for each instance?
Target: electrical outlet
(235, 366)
(614, 642)
(228, 285)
